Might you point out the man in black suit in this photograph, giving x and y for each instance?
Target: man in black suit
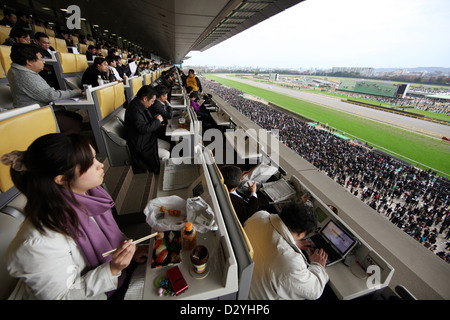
(140, 132)
(244, 207)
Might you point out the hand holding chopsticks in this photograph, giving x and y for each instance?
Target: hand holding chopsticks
(135, 242)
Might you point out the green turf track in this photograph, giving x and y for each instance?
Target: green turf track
(414, 148)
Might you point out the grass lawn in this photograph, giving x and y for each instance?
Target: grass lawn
(414, 148)
(342, 95)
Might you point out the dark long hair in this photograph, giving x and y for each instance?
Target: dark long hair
(47, 157)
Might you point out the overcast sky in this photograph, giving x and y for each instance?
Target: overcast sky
(341, 33)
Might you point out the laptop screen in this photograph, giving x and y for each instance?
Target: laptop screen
(340, 240)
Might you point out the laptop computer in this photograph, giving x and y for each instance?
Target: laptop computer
(335, 241)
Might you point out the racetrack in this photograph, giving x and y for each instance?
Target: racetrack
(424, 127)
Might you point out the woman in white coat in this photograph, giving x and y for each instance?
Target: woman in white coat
(57, 253)
(281, 271)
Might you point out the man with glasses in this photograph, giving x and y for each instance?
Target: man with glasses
(42, 41)
(28, 87)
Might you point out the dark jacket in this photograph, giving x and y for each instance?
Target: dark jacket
(140, 133)
(90, 76)
(159, 107)
(166, 112)
(244, 208)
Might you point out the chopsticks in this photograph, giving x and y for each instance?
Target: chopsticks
(135, 242)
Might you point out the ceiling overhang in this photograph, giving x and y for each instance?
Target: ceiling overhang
(172, 28)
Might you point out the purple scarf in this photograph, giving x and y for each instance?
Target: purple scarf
(195, 106)
(101, 235)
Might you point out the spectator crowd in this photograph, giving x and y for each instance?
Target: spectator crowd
(416, 200)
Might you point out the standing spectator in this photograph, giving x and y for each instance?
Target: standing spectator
(140, 132)
(193, 81)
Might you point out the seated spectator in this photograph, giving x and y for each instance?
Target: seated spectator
(140, 132)
(98, 51)
(189, 90)
(112, 63)
(168, 81)
(10, 18)
(24, 21)
(17, 35)
(97, 72)
(201, 111)
(163, 107)
(123, 70)
(244, 207)
(28, 87)
(82, 39)
(57, 254)
(281, 269)
(67, 36)
(91, 52)
(193, 101)
(41, 40)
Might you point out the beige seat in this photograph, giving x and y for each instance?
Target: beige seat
(37, 121)
(116, 145)
(8, 230)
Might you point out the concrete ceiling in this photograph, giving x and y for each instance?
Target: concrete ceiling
(172, 28)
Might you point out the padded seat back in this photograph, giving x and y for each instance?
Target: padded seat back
(71, 62)
(136, 84)
(21, 131)
(82, 48)
(8, 230)
(116, 145)
(6, 101)
(110, 98)
(61, 45)
(4, 33)
(5, 59)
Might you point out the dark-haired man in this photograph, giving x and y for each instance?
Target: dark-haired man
(100, 69)
(281, 270)
(193, 81)
(42, 41)
(91, 52)
(17, 35)
(28, 87)
(163, 107)
(244, 207)
(10, 18)
(140, 132)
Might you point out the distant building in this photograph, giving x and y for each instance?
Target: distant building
(362, 71)
(274, 76)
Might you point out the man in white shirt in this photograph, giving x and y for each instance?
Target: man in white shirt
(281, 269)
(112, 65)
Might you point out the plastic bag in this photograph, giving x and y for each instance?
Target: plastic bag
(165, 221)
(200, 214)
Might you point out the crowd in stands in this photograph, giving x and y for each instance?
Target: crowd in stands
(417, 102)
(417, 201)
